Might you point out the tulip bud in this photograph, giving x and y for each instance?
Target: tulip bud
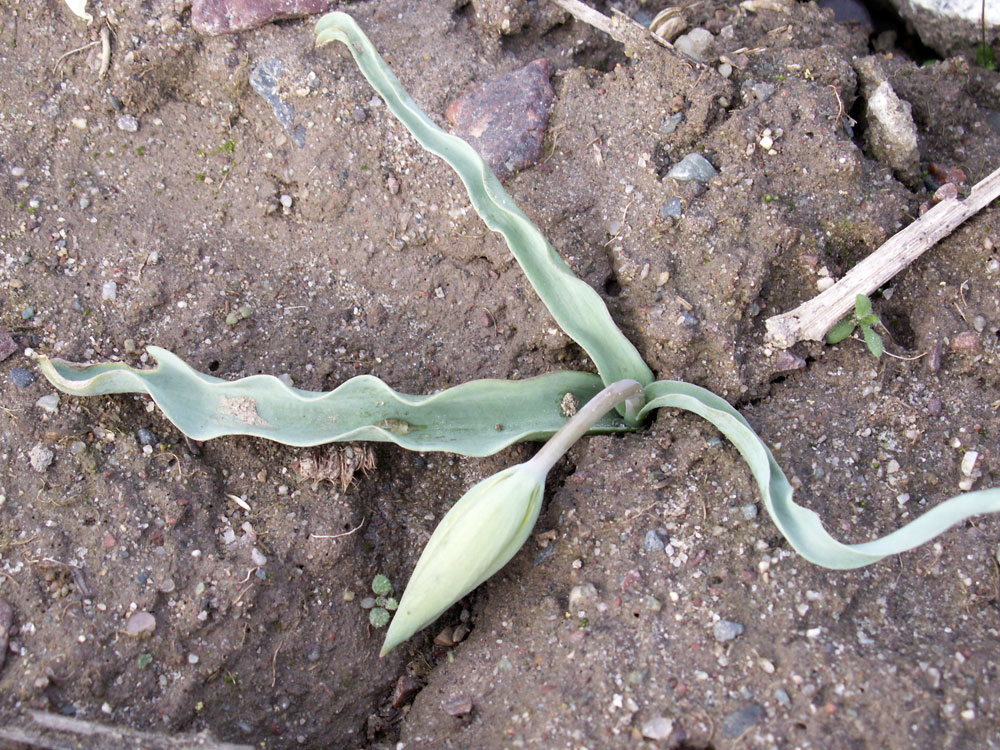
(490, 523)
(476, 538)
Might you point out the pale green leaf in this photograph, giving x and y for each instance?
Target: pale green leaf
(475, 419)
(801, 526)
(862, 306)
(840, 331)
(577, 308)
(873, 341)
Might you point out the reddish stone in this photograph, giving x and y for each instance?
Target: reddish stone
(946, 192)
(7, 345)
(457, 706)
(505, 120)
(967, 342)
(228, 16)
(406, 688)
(109, 540)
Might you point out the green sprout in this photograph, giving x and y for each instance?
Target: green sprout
(488, 525)
(862, 318)
(384, 603)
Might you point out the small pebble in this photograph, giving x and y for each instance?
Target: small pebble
(725, 70)
(749, 511)
(259, 558)
(670, 123)
(672, 209)
(979, 323)
(49, 403)
(766, 142)
(41, 458)
(17, 171)
(967, 342)
(653, 541)
(738, 722)
(28, 313)
(286, 200)
(359, 114)
(726, 630)
(692, 167)
(993, 266)
(658, 728)
(581, 595)
(109, 290)
(140, 623)
(193, 659)
(146, 436)
(130, 346)
(368, 602)
(782, 697)
(457, 706)
(969, 462)
(824, 282)
(7, 345)
(127, 123)
(21, 378)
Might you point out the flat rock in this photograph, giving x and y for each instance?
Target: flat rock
(738, 722)
(7, 345)
(505, 120)
(951, 26)
(6, 620)
(214, 17)
(891, 134)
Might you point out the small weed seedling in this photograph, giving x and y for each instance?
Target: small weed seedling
(490, 523)
(384, 603)
(862, 318)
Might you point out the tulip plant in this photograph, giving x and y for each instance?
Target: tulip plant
(488, 525)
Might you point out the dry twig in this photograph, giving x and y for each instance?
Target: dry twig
(811, 320)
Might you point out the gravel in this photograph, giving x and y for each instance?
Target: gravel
(654, 542)
(726, 630)
(738, 722)
(22, 378)
(692, 167)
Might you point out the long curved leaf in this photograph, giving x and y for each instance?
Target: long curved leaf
(475, 419)
(576, 307)
(801, 526)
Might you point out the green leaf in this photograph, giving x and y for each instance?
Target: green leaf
(475, 419)
(873, 341)
(801, 526)
(862, 306)
(841, 331)
(145, 660)
(577, 308)
(379, 617)
(869, 320)
(381, 585)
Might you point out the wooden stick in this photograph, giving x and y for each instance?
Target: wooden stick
(66, 733)
(621, 28)
(811, 320)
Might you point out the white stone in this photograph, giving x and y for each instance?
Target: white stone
(49, 403)
(109, 290)
(969, 462)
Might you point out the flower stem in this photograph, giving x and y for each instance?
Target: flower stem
(588, 415)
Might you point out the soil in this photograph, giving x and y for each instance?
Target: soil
(377, 265)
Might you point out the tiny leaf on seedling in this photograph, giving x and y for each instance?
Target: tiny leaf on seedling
(145, 660)
(841, 331)
(379, 617)
(872, 340)
(862, 306)
(381, 585)
(391, 604)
